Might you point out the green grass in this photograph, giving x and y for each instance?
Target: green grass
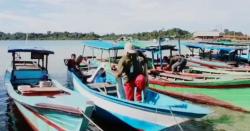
(220, 120)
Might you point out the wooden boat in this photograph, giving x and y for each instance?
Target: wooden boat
(192, 80)
(240, 72)
(209, 63)
(44, 103)
(229, 53)
(233, 99)
(155, 112)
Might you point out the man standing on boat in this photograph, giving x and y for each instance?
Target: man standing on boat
(71, 63)
(131, 69)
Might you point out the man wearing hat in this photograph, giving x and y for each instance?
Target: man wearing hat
(131, 70)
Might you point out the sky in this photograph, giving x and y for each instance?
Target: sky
(123, 16)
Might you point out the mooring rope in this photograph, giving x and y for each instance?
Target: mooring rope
(178, 124)
(99, 128)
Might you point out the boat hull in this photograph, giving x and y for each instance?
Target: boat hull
(51, 112)
(233, 99)
(130, 113)
(36, 121)
(206, 84)
(210, 64)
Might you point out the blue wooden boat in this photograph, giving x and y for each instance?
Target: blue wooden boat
(156, 112)
(44, 103)
(226, 56)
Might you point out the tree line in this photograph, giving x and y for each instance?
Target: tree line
(229, 32)
(174, 33)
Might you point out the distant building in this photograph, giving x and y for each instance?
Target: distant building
(236, 37)
(210, 35)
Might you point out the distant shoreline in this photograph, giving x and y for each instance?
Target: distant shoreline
(173, 33)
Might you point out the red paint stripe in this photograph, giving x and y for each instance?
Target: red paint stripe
(46, 120)
(202, 99)
(29, 122)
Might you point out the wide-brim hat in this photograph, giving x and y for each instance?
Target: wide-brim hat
(129, 48)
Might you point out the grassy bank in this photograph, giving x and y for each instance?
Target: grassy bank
(220, 120)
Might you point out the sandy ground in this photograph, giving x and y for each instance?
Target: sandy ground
(220, 120)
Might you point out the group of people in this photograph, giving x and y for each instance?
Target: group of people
(74, 64)
(176, 63)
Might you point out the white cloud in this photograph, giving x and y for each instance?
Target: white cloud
(125, 16)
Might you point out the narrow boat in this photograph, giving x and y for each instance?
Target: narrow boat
(240, 72)
(233, 99)
(209, 63)
(44, 103)
(214, 56)
(155, 112)
(190, 80)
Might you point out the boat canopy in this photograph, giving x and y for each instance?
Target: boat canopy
(224, 43)
(163, 47)
(150, 46)
(105, 45)
(210, 47)
(30, 49)
(36, 53)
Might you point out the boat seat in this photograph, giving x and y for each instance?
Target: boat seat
(101, 85)
(176, 77)
(28, 90)
(105, 88)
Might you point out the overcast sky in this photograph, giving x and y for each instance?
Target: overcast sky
(123, 16)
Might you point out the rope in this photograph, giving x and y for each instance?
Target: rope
(178, 124)
(99, 128)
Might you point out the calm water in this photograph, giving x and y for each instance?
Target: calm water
(10, 118)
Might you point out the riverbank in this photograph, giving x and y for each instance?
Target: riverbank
(220, 120)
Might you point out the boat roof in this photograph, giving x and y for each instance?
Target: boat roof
(29, 49)
(109, 45)
(151, 46)
(105, 45)
(163, 47)
(224, 43)
(214, 47)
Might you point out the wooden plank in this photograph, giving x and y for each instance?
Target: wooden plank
(27, 90)
(63, 108)
(101, 85)
(176, 76)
